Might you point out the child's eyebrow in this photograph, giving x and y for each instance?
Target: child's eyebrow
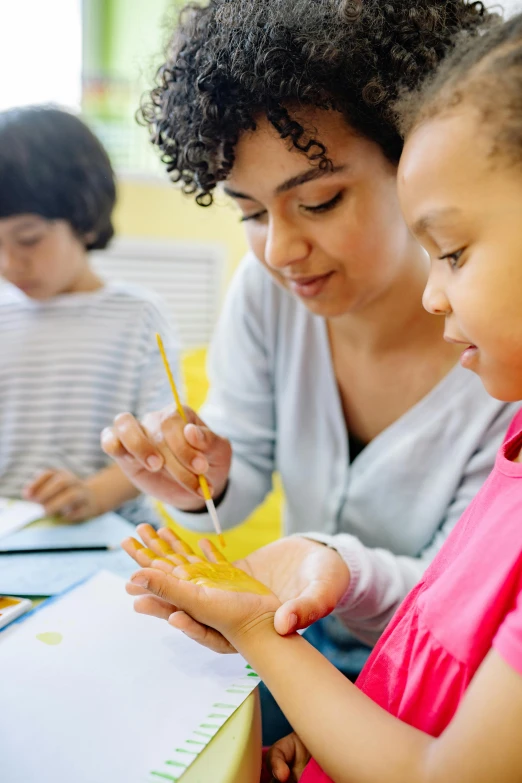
(423, 224)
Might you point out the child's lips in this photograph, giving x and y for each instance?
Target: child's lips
(468, 356)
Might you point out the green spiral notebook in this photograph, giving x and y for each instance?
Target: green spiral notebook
(93, 691)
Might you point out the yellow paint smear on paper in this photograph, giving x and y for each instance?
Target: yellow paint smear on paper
(49, 637)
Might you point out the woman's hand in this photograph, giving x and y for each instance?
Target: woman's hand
(308, 578)
(212, 591)
(163, 456)
(286, 759)
(63, 494)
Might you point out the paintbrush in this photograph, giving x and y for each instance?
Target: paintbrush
(211, 508)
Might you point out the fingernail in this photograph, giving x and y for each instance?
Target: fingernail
(154, 463)
(200, 465)
(194, 429)
(292, 622)
(141, 581)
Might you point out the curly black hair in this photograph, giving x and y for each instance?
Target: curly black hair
(230, 61)
(486, 73)
(52, 165)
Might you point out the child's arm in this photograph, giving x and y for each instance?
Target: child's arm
(64, 494)
(352, 738)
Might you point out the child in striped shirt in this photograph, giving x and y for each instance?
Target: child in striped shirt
(75, 350)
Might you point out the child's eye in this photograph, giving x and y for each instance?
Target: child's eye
(255, 216)
(453, 259)
(326, 206)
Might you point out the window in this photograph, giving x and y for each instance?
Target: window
(40, 52)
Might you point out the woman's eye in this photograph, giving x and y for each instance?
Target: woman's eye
(255, 216)
(325, 206)
(453, 259)
(28, 241)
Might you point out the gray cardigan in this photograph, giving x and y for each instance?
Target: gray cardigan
(274, 395)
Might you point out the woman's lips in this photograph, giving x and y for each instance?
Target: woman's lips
(309, 287)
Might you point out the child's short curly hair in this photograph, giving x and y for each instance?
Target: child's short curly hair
(230, 61)
(52, 165)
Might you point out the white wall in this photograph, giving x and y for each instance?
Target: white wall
(510, 6)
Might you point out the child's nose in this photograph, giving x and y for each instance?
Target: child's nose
(435, 300)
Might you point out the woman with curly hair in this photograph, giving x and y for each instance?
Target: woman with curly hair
(324, 366)
(440, 699)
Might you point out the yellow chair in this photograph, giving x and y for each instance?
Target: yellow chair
(264, 525)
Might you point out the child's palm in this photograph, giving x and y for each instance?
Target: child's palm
(213, 592)
(228, 599)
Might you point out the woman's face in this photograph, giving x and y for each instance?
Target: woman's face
(336, 240)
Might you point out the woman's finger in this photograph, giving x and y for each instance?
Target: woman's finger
(202, 634)
(112, 445)
(135, 441)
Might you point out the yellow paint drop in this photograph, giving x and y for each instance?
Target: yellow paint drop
(50, 637)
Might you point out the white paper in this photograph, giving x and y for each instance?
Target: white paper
(123, 698)
(49, 574)
(15, 514)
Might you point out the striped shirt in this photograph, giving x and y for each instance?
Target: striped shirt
(68, 365)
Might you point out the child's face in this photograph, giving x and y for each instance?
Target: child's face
(465, 206)
(42, 258)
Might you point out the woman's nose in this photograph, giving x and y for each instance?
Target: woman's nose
(285, 244)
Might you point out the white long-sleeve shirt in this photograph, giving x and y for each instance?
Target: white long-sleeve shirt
(274, 395)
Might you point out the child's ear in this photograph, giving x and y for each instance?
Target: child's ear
(89, 238)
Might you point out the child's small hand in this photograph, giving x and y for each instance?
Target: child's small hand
(63, 494)
(212, 591)
(286, 759)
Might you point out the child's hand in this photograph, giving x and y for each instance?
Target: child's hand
(212, 591)
(163, 456)
(286, 760)
(307, 577)
(63, 494)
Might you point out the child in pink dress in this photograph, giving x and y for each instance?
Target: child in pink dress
(440, 698)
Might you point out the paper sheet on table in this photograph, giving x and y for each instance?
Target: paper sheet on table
(15, 514)
(120, 697)
(49, 574)
(106, 530)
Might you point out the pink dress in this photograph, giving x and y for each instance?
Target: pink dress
(469, 600)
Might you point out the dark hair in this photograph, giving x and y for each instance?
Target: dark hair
(485, 73)
(231, 61)
(52, 165)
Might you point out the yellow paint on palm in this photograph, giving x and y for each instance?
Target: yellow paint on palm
(222, 576)
(153, 555)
